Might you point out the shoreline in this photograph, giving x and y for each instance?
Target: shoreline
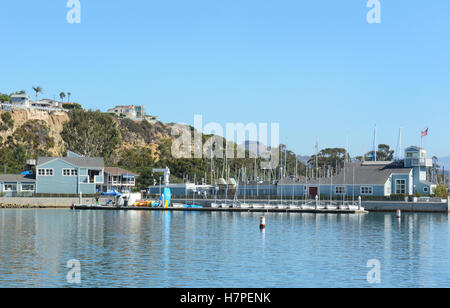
(32, 206)
(369, 206)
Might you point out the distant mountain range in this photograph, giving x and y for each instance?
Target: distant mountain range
(303, 159)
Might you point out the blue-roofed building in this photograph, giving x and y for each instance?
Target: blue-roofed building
(73, 174)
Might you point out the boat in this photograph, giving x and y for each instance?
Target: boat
(225, 206)
(293, 207)
(243, 206)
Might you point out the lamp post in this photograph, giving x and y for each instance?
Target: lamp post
(160, 187)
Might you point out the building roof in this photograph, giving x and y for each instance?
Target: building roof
(89, 162)
(20, 95)
(17, 178)
(116, 171)
(124, 107)
(376, 163)
(292, 180)
(413, 147)
(372, 174)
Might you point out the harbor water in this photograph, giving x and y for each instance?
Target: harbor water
(220, 249)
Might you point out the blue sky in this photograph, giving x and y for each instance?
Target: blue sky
(316, 67)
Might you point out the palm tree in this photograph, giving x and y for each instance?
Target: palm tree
(62, 95)
(37, 90)
(68, 98)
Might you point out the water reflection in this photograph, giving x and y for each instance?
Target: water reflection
(191, 249)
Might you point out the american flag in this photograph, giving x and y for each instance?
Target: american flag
(425, 133)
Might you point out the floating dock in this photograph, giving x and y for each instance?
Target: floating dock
(230, 210)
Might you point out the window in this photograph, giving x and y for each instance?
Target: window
(27, 187)
(400, 187)
(70, 172)
(366, 190)
(10, 187)
(93, 174)
(45, 172)
(340, 190)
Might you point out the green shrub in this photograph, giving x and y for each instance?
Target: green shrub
(441, 191)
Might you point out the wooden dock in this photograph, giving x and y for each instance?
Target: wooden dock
(230, 210)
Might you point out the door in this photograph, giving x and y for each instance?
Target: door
(313, 191)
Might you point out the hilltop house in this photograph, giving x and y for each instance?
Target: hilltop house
(22, 100)
(73, 174)
(47, 103)
(130, 112)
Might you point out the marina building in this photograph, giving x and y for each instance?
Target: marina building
(119, 179)
(73, 174)
(408, 176)
(12, 184)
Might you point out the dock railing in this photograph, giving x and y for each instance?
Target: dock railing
(313, 204)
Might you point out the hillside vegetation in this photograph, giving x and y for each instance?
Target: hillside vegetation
(138, 146)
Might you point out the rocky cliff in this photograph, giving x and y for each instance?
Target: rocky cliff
(23, 126)
(51, 121)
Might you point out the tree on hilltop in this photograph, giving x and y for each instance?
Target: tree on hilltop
(38, 90)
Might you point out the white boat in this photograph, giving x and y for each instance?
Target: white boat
(215, 205)
(257, 206)
(224, 206)
(178, 205)
(243, 206)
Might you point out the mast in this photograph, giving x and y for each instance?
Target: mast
(317, 155)
(374, 157)
(399, 145)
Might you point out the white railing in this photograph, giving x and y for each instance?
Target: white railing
(97, 181)
(14, 106)
(119, 183)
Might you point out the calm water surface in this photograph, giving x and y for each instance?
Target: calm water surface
(163, 249)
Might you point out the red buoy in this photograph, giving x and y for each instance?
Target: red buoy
(262, 224)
